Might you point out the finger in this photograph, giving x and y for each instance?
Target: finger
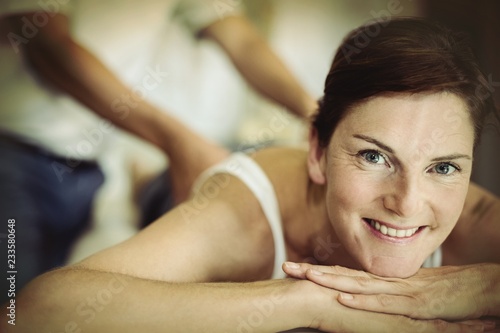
(358, 284)
(439, 326)
(390, 304)
(374, 322)
(294, 270)
(408, 306)
(299, 269)
(487, 324)
(344, 271)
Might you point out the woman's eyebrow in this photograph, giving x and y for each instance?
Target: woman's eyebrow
(451, 157)
(390, 150)
(375, 142)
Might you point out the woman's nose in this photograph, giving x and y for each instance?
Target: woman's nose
(405, 198)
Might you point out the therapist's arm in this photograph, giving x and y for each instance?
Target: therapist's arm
(60, 61)
(259, 65)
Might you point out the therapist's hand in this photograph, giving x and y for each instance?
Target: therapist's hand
(450, 293)
(189, 159)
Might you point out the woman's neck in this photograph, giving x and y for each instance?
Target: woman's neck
(308, 232)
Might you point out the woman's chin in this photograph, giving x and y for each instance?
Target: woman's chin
(391, 270)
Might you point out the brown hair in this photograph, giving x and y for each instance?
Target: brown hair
(402, 55)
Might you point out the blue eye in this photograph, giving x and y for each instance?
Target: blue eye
(445, 168)
(373, 156)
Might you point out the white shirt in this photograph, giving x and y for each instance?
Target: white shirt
(132, 38)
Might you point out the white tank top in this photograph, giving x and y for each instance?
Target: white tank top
(434, 260)
(249, 172)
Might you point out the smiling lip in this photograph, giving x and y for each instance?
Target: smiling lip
(389, 231)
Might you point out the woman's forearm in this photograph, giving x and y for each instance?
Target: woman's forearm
(83, 300)
(96, 301)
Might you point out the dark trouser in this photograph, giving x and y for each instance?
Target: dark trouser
(156, 198)
(49, 202)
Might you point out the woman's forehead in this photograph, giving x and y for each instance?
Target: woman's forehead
(411, 121)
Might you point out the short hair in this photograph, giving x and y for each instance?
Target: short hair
(402, 55)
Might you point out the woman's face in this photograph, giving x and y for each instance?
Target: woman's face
(397, 171)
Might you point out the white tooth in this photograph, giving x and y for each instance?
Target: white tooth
(393, 232)
(401, 233)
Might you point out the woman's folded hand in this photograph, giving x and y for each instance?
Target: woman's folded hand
(447, 293)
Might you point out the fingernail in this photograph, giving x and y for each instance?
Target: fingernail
(346, 296)
(315, 272)
(292, 265)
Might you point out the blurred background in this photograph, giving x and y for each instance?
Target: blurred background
(205, 91)
(201, 87)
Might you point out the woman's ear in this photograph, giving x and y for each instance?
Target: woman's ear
(316, 159)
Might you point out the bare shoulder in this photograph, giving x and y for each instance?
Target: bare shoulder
(279, 157)
(220, 234)
(476, 237)
(286, 169)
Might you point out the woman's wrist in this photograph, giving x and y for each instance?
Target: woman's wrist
(307, 303)
(294, 304)
(290, 304)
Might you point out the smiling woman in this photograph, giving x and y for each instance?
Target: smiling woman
(381, 183)
(383, 187)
